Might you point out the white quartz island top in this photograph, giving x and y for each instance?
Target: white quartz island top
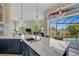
(47, 46)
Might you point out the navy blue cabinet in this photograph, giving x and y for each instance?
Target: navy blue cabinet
(16, 46)
(24, 49)
(10, 46)
(3, 47)
(13, 46)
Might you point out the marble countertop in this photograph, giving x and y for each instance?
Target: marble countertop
(6, 37)
(47, 46)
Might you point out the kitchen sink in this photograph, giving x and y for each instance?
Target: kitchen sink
(31, 40)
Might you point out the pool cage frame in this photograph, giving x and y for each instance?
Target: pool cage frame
(64, 22)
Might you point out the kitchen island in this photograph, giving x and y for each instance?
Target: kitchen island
(41, 46)
(46, 46)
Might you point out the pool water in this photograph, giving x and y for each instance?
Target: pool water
(73, 41)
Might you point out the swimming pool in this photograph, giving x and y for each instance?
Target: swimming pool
(73, 41)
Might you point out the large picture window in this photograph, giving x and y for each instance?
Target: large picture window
(66, 28)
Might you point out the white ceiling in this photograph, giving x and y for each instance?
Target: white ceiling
(29, 10)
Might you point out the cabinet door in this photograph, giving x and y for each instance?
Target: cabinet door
(24, 49)
(3, 46)
(13, 46)
(10, 46)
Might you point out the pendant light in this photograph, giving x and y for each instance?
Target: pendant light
(21, 16)
(60, 7)
(22, 24)
(60, 10)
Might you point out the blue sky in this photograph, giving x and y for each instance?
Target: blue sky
(71, 19)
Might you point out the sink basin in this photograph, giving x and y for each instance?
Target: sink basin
(33, 39)
(30, 39)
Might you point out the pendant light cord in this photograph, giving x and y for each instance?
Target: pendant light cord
(36, 11)
(21, 11)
